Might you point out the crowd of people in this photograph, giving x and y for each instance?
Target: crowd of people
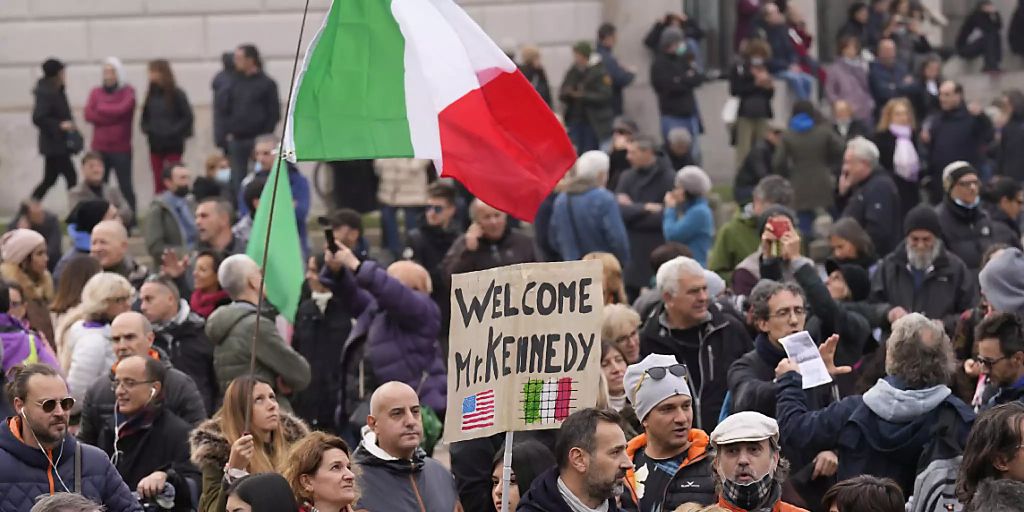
(886, 225)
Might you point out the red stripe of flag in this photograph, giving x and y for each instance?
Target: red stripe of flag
(563, 398)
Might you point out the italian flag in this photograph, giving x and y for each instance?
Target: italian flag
(420, 79)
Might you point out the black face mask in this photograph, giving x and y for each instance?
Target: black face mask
(182, 191)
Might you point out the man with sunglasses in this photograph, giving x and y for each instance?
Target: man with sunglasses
(1001, 356)
(39, 458)
(132, 334)
(671, 465)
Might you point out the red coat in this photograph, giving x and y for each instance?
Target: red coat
(111, 115)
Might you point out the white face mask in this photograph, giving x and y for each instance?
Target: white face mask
(223, 175)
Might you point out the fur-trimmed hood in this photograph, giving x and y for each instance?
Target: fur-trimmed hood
(42, 289)
(210, 449)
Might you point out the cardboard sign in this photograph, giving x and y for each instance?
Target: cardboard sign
(524, 347)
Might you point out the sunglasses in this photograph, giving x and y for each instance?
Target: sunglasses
(435, 208)
(660, 372)
(49, 405)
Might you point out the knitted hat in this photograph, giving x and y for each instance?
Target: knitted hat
(671, 35)
(87, 214)
(624, 124)
(856, 278)
(716, 285)
(954, 171)
(923, 217)
(644, 391)
(1002, 281)
(51, 67)
(693, 180)
(18, 244)
(745, 427)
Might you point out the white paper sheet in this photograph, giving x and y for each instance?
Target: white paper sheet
(801, 348)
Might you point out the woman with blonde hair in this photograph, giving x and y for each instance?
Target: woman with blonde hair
(25, 261)
(83, 337)
(614, 289)
(896, 137)
(320, 472)
(224, 452)
(621, 328)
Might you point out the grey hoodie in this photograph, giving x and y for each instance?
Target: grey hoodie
(903, 405)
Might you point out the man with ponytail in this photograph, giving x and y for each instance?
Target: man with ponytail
(37, 455)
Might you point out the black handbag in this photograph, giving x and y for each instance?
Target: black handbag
(74, 142)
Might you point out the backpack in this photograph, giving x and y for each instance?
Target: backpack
(938, 467)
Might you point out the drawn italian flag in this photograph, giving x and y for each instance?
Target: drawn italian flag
(419, 78)
(547, 401)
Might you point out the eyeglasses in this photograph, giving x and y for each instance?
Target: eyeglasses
(989, 363)
(784, 314)
(50, 404)
(625, 337)
(659, 372)
(968, 183)
(128, 384)
(435, 208)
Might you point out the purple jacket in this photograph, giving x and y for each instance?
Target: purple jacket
(396, 332)
(111, 114)
(16, 338)
(849, 81)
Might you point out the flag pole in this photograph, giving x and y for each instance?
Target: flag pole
(506, 471)
(270, 218)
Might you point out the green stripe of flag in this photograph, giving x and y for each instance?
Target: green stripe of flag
(351, 98)
(285, 270)
(531, 400)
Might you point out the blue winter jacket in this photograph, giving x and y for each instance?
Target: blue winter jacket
(596, 225)
(881, 433)
(692, 225)
(396, 332)
(25, 474)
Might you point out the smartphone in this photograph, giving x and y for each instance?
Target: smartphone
(332, 244)
(779, 227)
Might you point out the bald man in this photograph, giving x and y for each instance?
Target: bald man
(131, 334)
(110, 248)
(396, 473)
(488, 243)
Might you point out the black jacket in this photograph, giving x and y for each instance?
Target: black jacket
(538, 78)
(1011, 149)
(1004, 226)
(50, 109)
(427, 246)
(957, 135)
(978, 20)
(875, 205)
(221, 83)
(755, 102)
(319, 338)
(647, 185)
(723, 340)
(162, 447)
(544, 496)
(756, 165)
(192, 353)
(250, 105)
(402, 484)
(948, 288)
(1015, 32)
(513, 247)
(166, 123)
(472, 462)
(179, 396)
(969, 232)
(886, 143)
(674, 80)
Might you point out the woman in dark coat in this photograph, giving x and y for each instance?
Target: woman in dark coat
(51, 113)
(897, 124)
(166, 119)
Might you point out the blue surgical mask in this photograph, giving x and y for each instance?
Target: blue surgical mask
(258, 167)
(977, 201)
(681, 49)
(223, 175)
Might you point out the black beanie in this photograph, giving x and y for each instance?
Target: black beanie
(923, 217)
(87, 214)
(51, 67)
(856, 278)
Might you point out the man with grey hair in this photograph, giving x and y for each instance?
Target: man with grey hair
(693, 328)
(885, 431)
(488, 243)
(677, 147)
(585, 217)
(231, 329)
(641, 196)
(872, 198)
(740, 237)
(66, 502)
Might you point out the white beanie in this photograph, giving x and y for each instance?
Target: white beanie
(694, 180)
(645, 392)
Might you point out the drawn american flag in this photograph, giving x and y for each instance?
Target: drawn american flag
(478, 410)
